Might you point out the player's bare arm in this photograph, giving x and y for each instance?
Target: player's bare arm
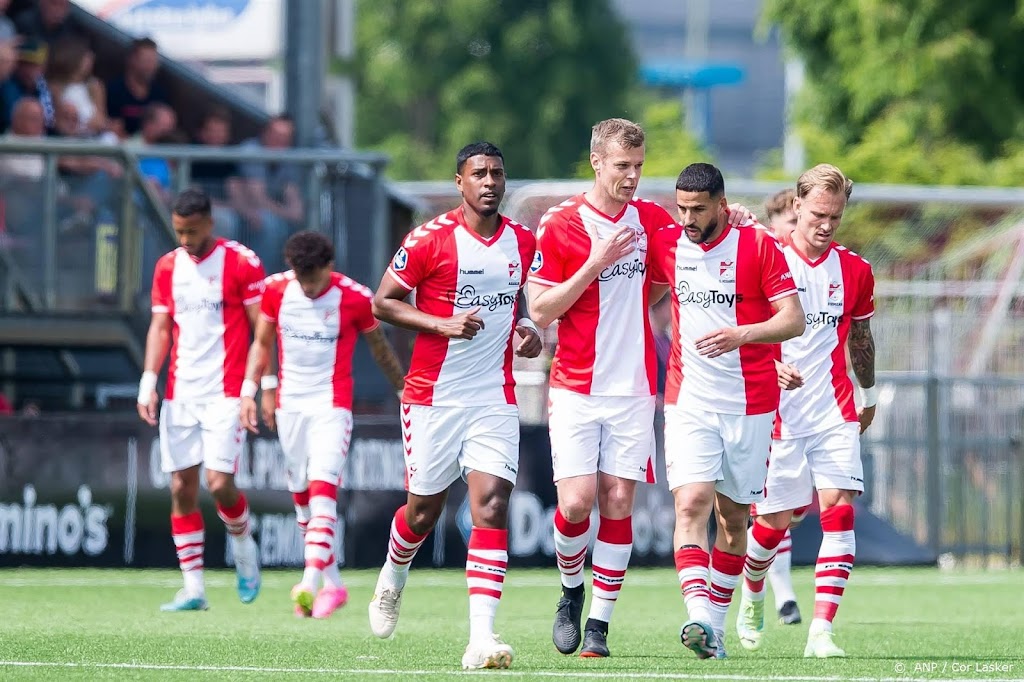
(862, 357)
(531, 344)
(389, 305)
(158, 342)
(658, 292)
(786, 323)
(550, 303)
(790, 378)
(384, 355)
(256, 366)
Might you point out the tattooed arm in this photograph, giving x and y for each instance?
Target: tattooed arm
(384, 356)
(862, 357)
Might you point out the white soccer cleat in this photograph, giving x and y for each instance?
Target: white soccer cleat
(820, 645)
(490, 653)
(750, 622)
(384, 608)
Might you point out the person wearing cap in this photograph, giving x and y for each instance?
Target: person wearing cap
(28, 81)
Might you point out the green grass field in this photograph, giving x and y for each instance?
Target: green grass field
(896, 624)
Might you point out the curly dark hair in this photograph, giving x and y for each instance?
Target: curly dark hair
(308, 251)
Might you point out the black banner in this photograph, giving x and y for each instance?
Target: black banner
(87, 490)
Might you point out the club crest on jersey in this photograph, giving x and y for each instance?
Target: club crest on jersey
(328, 314)
(515, 273)
(401, 259)
(641, 240)
(538, 262)
(835, 293)
(727, 271)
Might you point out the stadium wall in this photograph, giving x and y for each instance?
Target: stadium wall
(87, 490)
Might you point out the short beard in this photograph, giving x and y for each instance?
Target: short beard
(706, 232)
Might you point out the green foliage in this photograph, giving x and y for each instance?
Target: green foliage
(669, 147)
(531, 76)
(910, 91)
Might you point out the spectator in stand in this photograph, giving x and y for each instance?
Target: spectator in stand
(21, 186)
(89, 178)
(130, 94)
(158, 121)
(8, 60)
(26, 122)
(47, 21)
(69, 74)
(213, 177)
(28, 81)
(7, 30)
(267, 195)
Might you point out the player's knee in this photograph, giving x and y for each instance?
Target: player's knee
(576, 509)
(421, 518)
(184, 489)
(222, 487)
(492, 511)
(693, 506)
(617, 501)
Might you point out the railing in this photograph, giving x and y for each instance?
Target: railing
(79, 241)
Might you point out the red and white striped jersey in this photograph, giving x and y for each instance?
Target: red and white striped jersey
(206, 299)
(453, 270)
(727, 283)
(316, 338)
(605, 346)
(835, 290)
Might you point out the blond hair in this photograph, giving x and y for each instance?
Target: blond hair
(779, 203)
(626, 133)
(826, 177)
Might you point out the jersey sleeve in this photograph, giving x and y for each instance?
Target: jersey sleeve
(413, 261)
(527, 249)
(270, 306)
(162, 299)
(864, 307)
(548, 265)
(361, 310)
(776, 277)
(658, 256)
(252, 279)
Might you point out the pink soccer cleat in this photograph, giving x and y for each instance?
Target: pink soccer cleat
(329, 600)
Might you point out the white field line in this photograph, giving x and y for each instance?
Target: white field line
(558, 674)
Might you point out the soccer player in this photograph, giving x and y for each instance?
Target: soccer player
(206, 297)
(315, 315)
(590, 274)
(459, 414)
(733, 301)
(817, 433)
(781, 218)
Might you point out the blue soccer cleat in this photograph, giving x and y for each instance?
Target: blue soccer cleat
(183, 601)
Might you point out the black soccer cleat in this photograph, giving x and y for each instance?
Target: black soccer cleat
(595, 640)
(566, 632)
(789, 614)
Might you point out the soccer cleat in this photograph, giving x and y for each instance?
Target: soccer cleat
(247, 567)
(699, 638)
(566, 631)
(750, 622)
(491, 653)
(329, 600)
(183, 601)
(303, 598)
(820, 645)
(789, 614)
(384, 608)
(595, 643)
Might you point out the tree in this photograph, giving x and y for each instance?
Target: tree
(531, 76)
(912, 91)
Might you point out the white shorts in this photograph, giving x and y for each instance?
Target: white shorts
(315, 445)
(207, 432)
(611, 434)
(730, 449)
(444, 443)
(799, 466)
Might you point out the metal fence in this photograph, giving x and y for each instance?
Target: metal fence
(944, 459)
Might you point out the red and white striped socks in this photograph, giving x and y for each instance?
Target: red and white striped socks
(726, 571)
(402, 547)
(486, 563)
(762, 545)
(571, 541)
(189, 537)
(779, 573)
(319, 542)
(236, 517)
(835, 562)
(692, 566)
(331, 576)
(610, 560)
